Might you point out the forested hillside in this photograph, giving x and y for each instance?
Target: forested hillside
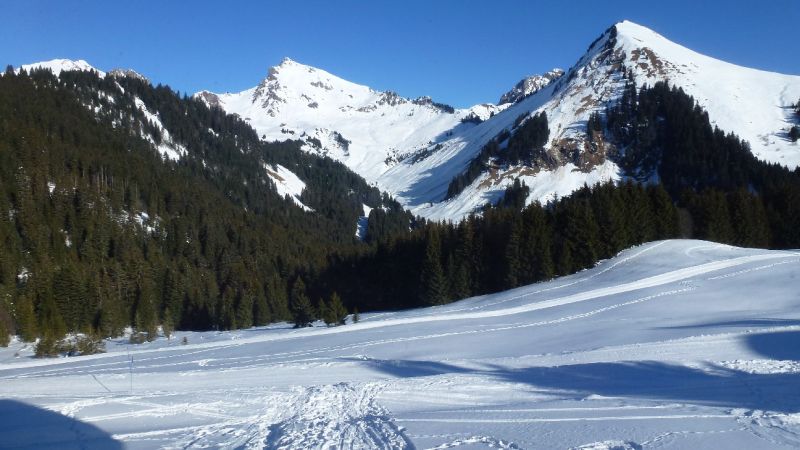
(698, 182)
(103, 227)
(100, 231)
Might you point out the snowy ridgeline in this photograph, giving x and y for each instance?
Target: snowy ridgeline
(674, 344)
(413, 149)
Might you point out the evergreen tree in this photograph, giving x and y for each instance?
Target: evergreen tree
(5, 336)
(434, 286)
(665, 213)
(244, 309)
(749, 220)
(261, 311)
(167, 324)
(324, 313)
(513, 263)
(25, 315)
(277, 299)
(145, 317)
(536, 256)
(336, 314)
(301, 309)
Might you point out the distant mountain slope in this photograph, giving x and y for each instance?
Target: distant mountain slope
(366, 129)
(413, 149)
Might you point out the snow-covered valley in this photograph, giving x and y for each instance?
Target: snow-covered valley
(672, 344)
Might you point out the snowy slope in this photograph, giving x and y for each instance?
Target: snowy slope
(752, 103)
(366, 129)
(673, 344)
(413, 151)
(287, 183)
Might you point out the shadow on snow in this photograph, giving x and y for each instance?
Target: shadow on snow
(710, 385)
(28, 426)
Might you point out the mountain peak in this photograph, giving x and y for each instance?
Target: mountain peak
(119, 72)
(634, 30)
(58, 65)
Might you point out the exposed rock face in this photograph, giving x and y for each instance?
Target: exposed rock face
(211, 99)
(129, 73)
(530, 85)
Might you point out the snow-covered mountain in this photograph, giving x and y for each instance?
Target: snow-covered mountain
(673, 344)
(414, 148)
(366, 129)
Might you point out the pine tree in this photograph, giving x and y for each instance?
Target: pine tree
(261, 312)
(277, 299)
(565, 265)
(302, 311)
(536, 256)
(794, 133)
(665, 213)
(51, 324)
(25, 315)
(145, 317)
(434, 285)
(336, 312)
(244, 310)
(5, 336)
(167, 324)
(324, 312)
(512, 258)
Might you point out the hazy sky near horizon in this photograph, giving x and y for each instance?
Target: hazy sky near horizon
(458, 52)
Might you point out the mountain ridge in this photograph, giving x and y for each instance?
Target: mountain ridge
(413, 148)
(420, 166)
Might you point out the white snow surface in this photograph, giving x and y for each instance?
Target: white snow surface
(168, 148)
(673, 344)
(363, 222)
(287, 183)
(413, 151)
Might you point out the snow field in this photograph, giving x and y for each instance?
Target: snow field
(673, 344)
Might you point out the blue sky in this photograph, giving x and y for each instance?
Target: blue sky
(458, 52)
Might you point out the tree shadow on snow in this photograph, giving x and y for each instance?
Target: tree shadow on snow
(409, 368)
(27, 426)
(783, 345)
(710, 385)
(748, 323)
